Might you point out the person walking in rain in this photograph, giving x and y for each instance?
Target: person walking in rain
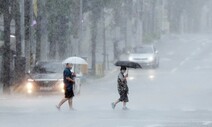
(68, 87)
(122, 89)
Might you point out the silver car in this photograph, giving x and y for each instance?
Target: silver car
(146, 55)
(45, 76)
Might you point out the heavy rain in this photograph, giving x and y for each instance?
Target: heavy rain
(114, 63)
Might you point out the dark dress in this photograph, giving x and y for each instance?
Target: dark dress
(122, 88)
(68, 85)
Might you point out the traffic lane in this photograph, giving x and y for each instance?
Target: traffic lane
(94, 109)
(175, 52)
(41, 112)
(201, 60)
(169, 91)
(194, 74)
(167, 100)
(104, 118)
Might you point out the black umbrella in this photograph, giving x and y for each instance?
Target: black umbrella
(128, 64)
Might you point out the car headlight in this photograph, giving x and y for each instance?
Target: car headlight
(151, 77)
(61, 87)
(130, 58)
(29, 85)
(151, 58)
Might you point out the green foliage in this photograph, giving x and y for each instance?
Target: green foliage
(1, 35)
(58, 17)
(60, 14)
(59, 7)
(149, 38)
(69, 10)
(190, 8)
(1, 7)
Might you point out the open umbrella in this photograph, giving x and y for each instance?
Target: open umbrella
(74, 60)
(128, 64)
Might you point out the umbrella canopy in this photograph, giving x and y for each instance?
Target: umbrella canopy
(128, 64)
(74, 60)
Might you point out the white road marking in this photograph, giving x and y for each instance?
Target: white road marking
(189, 109)
(202, 68)
(181, 63)
(206, 123)
(174, 70)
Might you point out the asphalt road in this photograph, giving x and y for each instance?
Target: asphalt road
(177, 94)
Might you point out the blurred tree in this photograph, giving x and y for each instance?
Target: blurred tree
(64, 15)
(95, 16)
(19, 65)
(122, 13)
(28, 12)
(59, 16)
(38, 32)
(96, 7)
(6, 77)
(189, 8)
(1, 6)
(1, 12)
(17, 17)
(193, 9)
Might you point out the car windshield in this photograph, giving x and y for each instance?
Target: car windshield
(146, 49)
(48, 67)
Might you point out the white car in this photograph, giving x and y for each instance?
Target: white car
(146, 55)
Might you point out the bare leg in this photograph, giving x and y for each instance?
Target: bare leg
(70, 102)
(117, 102)
(114, 104)
(61, 102)
(124, 104)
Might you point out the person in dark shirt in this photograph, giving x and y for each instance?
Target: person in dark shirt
(68, 86)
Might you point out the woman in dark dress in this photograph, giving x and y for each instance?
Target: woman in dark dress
(122, 89)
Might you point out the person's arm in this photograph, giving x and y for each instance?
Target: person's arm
(69, 79)
(126, 76)
(122, 77)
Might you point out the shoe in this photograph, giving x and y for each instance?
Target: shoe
(113, 105)
(125, 108)
(58, 108)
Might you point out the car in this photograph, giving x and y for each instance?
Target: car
(146, 56)
(45, 76)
